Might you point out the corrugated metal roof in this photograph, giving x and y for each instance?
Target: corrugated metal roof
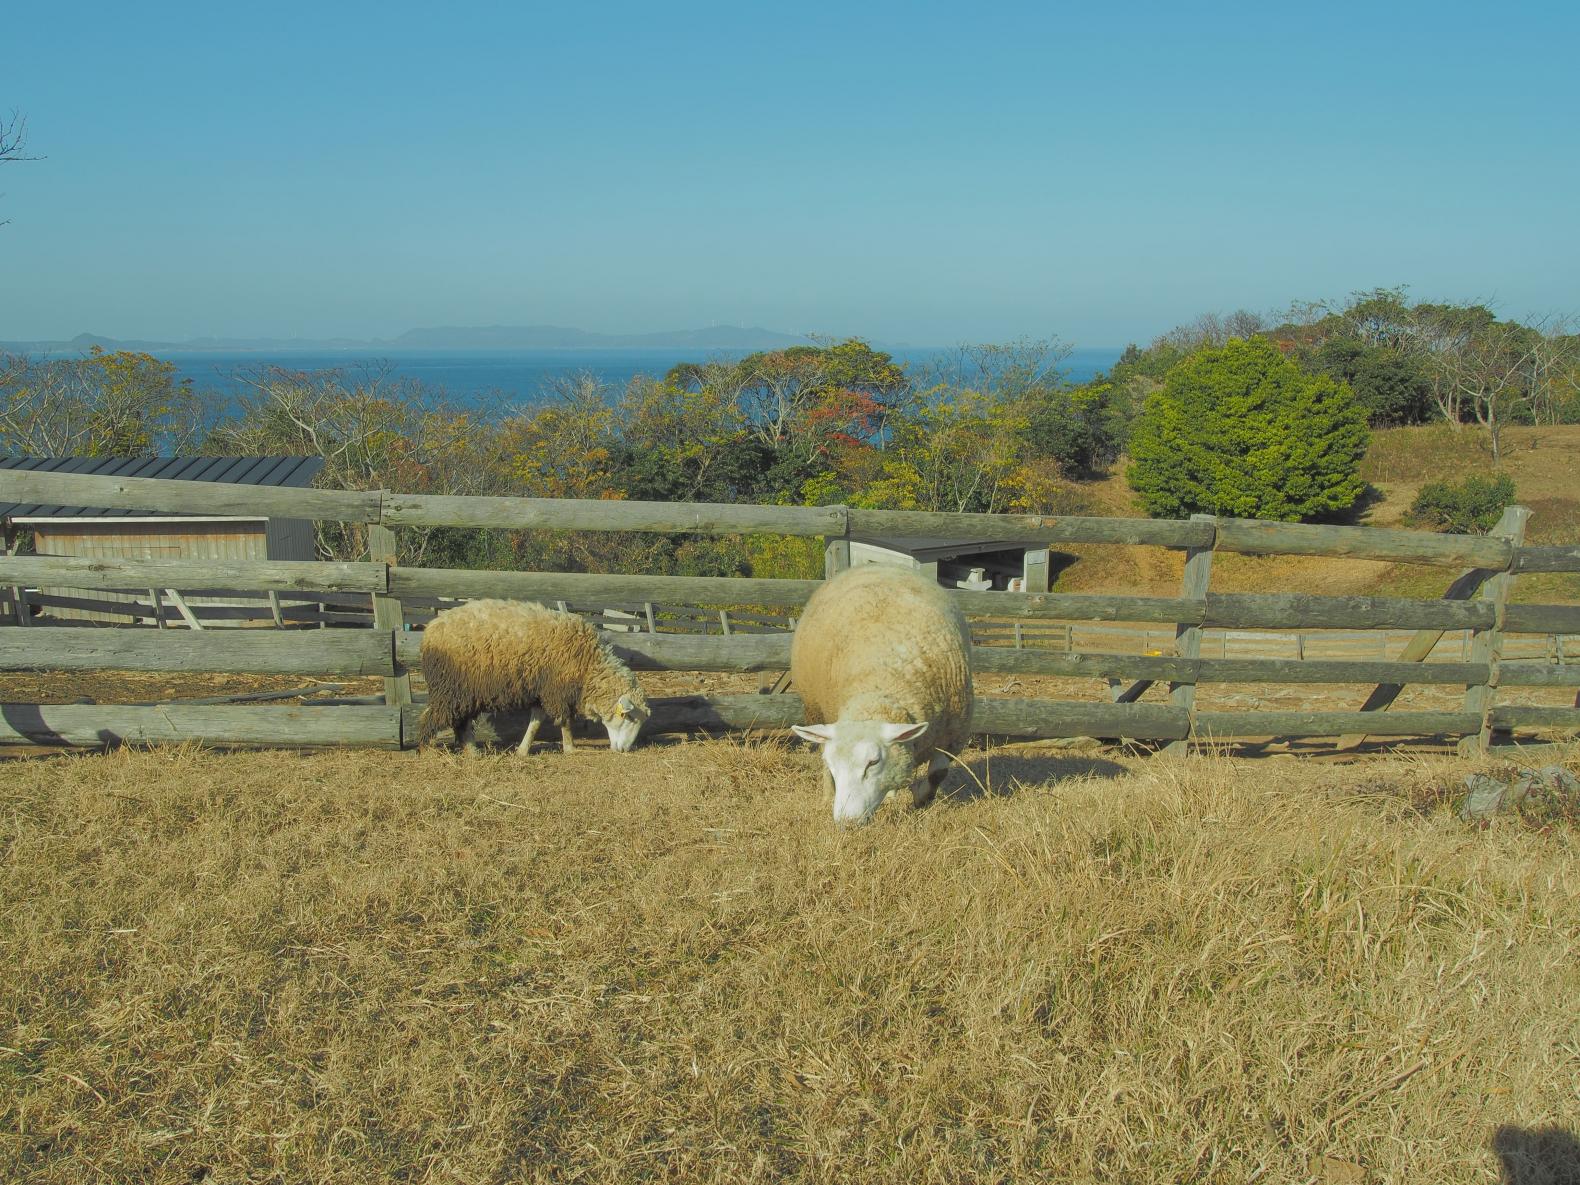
(246, 471)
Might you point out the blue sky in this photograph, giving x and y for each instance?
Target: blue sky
(920, 173)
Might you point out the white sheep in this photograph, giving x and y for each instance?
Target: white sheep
(882, 660)
(500, 656)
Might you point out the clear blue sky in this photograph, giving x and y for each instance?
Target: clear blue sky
(925, 173)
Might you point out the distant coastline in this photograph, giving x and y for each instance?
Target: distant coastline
(473, 337)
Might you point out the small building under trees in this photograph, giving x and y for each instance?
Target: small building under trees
(958, 563)
(108, 533)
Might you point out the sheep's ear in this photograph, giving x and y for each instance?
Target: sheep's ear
(818, 734)
(896, 733)
(626, 706)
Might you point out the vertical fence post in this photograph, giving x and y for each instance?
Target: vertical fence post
(1487, 645)
(1187, 638)
(389, 613)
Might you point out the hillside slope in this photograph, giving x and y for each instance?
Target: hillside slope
(1399, 463)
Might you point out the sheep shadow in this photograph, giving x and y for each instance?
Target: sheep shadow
(1537, 1156)
(1002, 775)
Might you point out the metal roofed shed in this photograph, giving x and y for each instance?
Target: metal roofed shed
(959, 563)
(109, 533)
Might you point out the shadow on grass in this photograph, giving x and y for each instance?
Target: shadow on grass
(1537, 1156)
(1002, 775)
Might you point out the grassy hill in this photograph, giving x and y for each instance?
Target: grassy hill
(1542, 462)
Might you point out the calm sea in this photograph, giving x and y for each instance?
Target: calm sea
(504, 378)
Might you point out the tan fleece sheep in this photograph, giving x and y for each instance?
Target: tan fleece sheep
(882, 660)
(500, 656)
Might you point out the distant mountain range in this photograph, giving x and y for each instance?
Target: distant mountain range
(474, 337)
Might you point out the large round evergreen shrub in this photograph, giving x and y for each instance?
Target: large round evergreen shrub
(1242, 431)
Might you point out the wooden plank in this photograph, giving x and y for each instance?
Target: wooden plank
(1487, 644)
(591, 589)
(1256, 537)
(109, 725)
(198, 498)
(1223, 725)
(1524, 715)
(1542, 619)
(1187, 636)
(1029, 528)
(1538, 674)
(184, 609)
(1420, 647)
(999, 717)
(572, 514)
(251, 652)
(1303, 610)
(1546, 559)
(387, 612)
(253, 576)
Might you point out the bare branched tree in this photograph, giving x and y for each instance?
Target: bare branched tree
(13, 142)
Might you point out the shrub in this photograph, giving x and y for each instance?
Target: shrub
(1240, 430)
(1471, 506)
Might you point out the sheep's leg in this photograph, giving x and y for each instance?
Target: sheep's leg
(565, 735)
(936, 769)
(534, 722)
(466, 734)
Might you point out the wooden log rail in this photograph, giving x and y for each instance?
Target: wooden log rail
(389, 652)
(1248, 536)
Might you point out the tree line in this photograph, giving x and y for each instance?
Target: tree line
(1246, 414)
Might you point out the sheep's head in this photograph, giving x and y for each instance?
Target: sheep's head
(625, 721)
(867, 759)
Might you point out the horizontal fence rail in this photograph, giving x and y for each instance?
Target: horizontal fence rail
(673, 623)
(382, 507)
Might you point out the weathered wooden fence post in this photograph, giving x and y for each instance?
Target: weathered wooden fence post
(1187, 638)
(836, 550)
(1487, 644)
(389, 613)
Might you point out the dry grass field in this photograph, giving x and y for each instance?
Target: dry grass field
(669, 966)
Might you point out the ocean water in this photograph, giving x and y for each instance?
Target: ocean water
(511, 378)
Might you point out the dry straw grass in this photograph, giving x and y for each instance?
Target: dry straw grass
(669, 966)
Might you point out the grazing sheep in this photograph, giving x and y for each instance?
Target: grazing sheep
(497, 656)
(882, 659)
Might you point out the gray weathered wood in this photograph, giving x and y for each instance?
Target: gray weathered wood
(1255, 537)
(1305, 611)
(258, 652)
(1537, 674)
(1547, 559)
(192, 575)
(108, 725)
(998, 717)
(585, 589)
(1028, 528)
(1420, 647)
(1525, 715)
(1223, 725)
(1187, 636)
(836, 556)
(572, 514)
(1542, 619)
(198, 498)
(1487, 645)
(184, 609)
(387, 611)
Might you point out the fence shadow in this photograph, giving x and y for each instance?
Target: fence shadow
(1000, 776)
(1537, 1156)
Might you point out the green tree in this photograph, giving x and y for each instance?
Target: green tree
(1240, 430)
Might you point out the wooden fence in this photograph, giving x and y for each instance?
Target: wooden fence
(1476, 606)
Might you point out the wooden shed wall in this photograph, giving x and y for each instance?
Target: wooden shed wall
(173, 539)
